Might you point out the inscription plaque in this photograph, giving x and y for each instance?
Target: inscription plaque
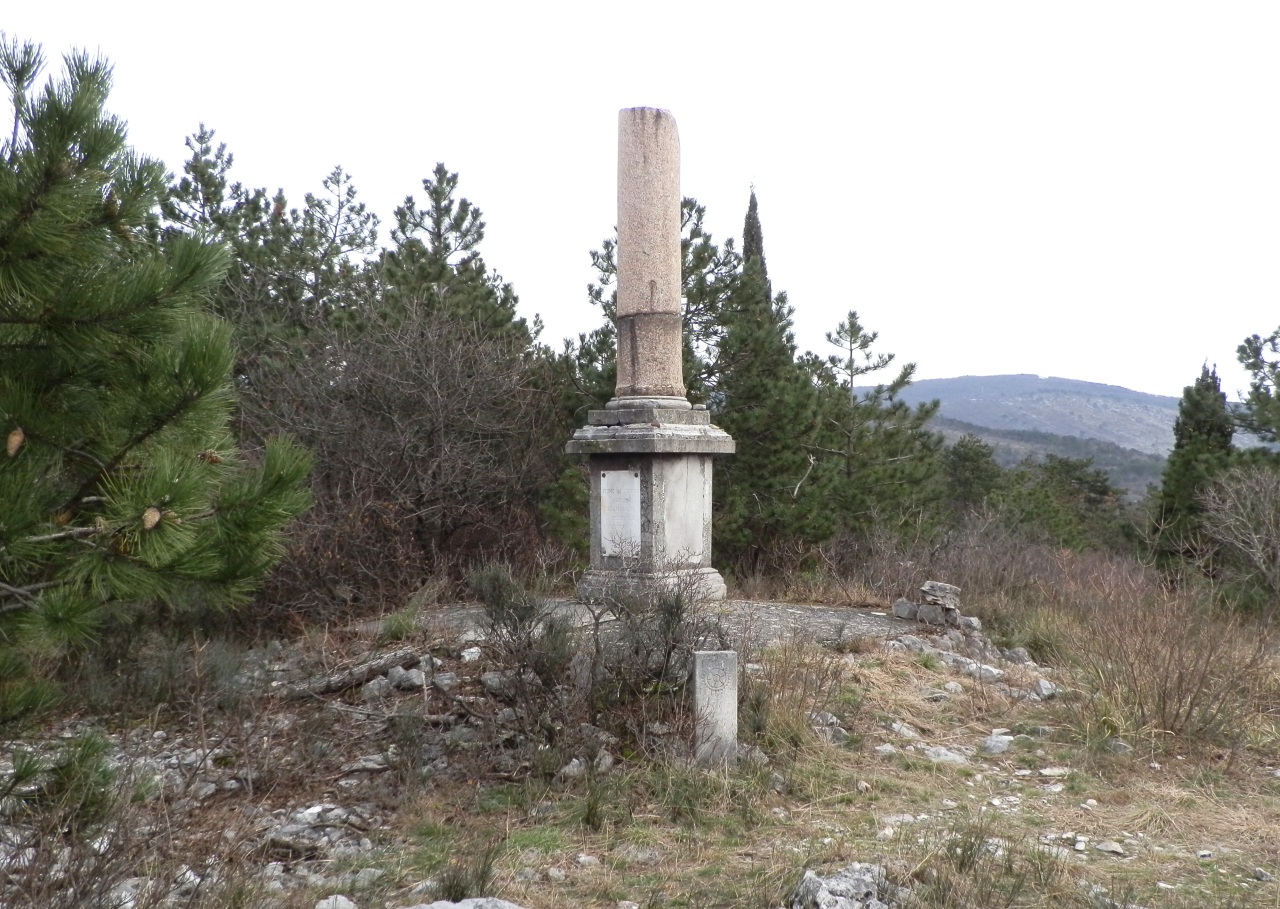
(620, 513)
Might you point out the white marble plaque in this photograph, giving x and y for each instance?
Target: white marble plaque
(620, 513)
(684, 508)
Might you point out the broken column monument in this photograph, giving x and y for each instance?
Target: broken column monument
(650, 450)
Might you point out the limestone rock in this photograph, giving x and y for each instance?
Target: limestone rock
(930, 614)
(633, 854)
(856, 886)
(409, 680)
(939, 594)
(905, 609)
(940, 755)
(475, 902)
(444, 680)
(996, 744)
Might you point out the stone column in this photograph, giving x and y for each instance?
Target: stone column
(650, 352)
(650, 450)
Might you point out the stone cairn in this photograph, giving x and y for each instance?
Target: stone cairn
(650, 450)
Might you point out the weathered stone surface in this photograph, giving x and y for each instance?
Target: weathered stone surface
(645, 438)
(940, 594)
(634, 854)
(649, 286)
(970, 624)
(644, 344)
(648, 212)
(856, 886)
(481, 902)
(905, 609)
(929, 614)
(444, 680)
(940, 755)
(715, 702)
(996, 744)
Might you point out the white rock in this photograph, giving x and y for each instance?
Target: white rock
(411, 680)
(471, 654)
(996, 744)
(335, 902)
(987, 673)
(940, 755)
(444, 680)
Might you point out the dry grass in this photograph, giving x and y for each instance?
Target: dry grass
(1191, 690)
(726, 838)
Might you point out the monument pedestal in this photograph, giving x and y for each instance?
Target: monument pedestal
(650, 468)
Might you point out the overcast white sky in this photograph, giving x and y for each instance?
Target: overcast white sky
(1086, 189)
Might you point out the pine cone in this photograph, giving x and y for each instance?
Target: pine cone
(150, 518)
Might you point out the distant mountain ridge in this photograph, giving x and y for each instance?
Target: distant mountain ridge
(1063, 407)
(1128, 468)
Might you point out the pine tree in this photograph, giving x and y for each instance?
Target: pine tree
(768, 494)
(1202, 449)
(879, 447)
(121, 496)
(1261, 358)
(436, 261)
(970, 474)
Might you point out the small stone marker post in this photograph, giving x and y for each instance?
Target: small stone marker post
(715, 704)
(650, 449)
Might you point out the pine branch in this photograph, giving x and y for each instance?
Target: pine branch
(159, 423)
(72, 533)
(24, 594)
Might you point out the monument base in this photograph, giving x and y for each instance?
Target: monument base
(699, 585)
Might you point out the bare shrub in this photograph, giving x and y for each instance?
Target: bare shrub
(432, 438)
(1241, 512)
(1176, 668)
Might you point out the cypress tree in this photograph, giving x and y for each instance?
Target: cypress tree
(768, 494)
(1202, 448)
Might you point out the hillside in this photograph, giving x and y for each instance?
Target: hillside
(1129, 469)
(1062, 407)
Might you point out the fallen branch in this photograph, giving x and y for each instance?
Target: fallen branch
(350, 677)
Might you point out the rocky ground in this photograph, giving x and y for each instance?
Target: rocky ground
(347, 771)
